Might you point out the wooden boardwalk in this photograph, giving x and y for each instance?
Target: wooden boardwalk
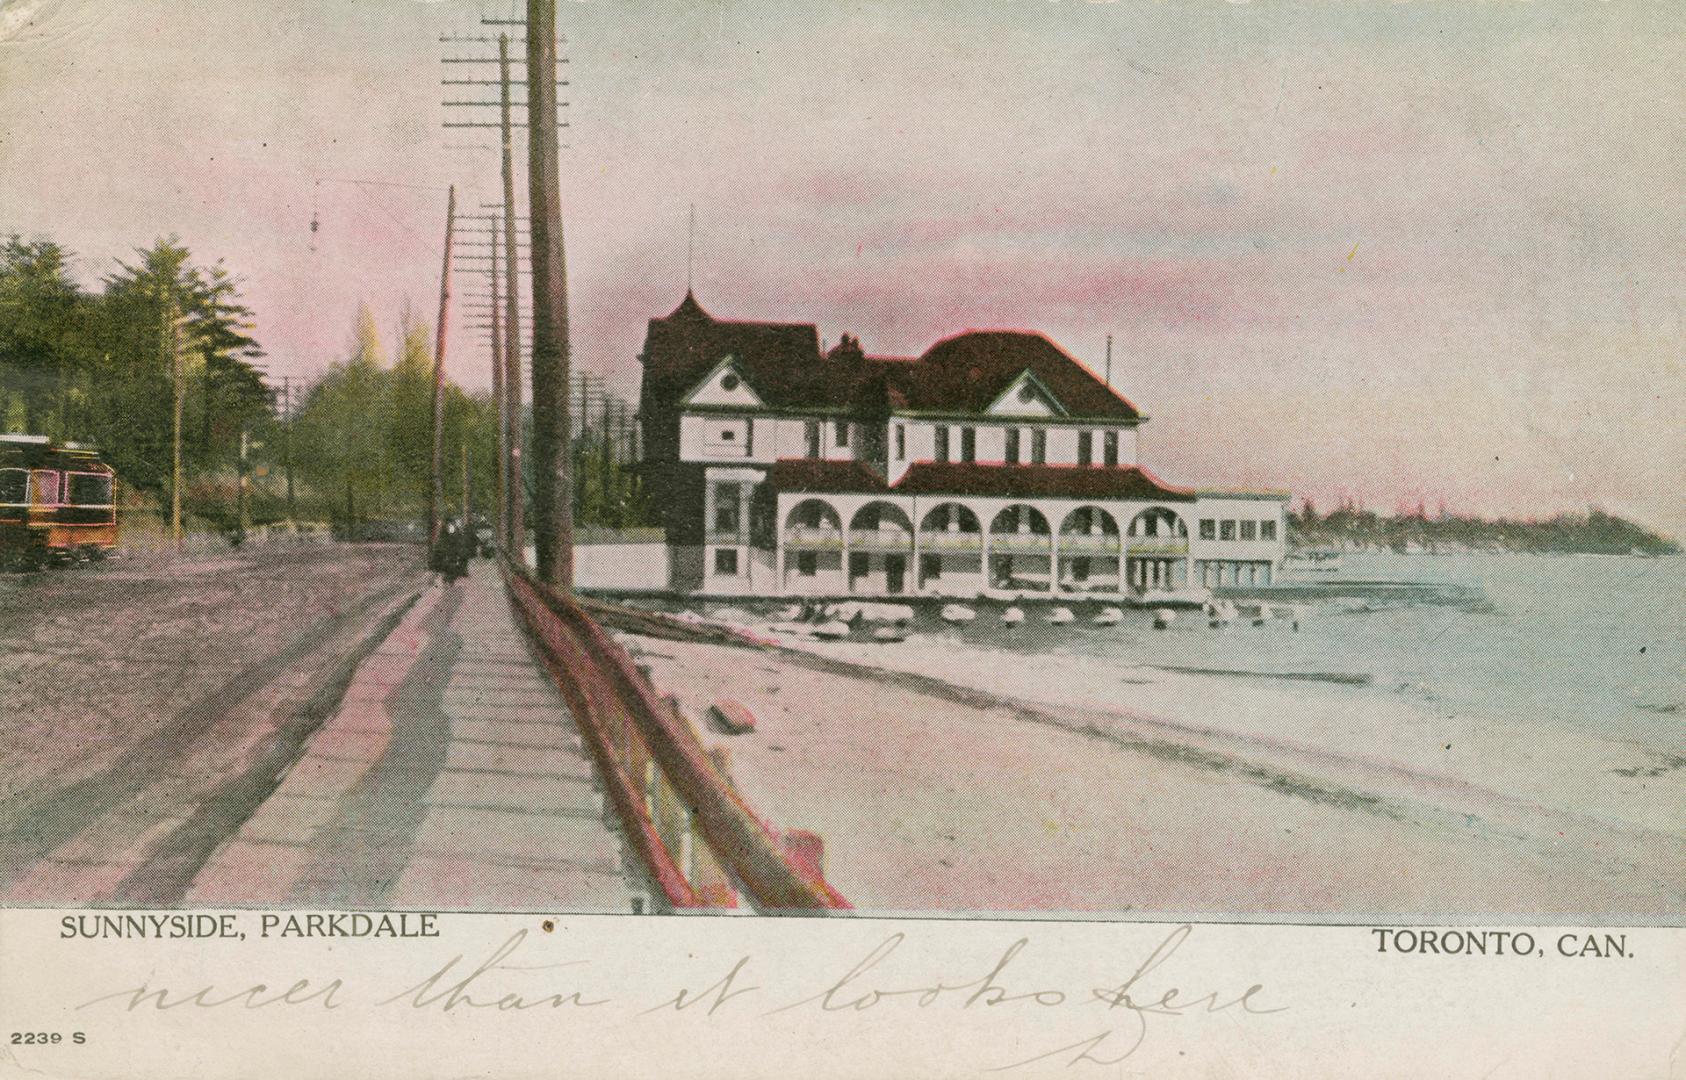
(451, 777)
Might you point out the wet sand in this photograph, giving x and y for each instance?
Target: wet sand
(937, 792)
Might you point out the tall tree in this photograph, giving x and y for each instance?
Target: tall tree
(43, 348)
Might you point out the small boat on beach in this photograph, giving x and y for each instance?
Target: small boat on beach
(1220, 613)
(1317, 561)
(1013, 616)
(890, 632)
(958, 613)
(885, 613)
(1163, 618)
(1108, 616)
(1061, 615)
(835, 630)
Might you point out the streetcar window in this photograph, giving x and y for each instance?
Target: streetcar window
(89, 489)
(14, 487)
(45, 488)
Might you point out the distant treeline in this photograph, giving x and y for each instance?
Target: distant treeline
(96, 366)
(1594, 532)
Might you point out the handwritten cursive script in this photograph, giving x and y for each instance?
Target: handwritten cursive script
(875, 984)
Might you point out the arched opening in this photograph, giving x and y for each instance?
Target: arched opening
(880, 545)
(1020, 550)
(951, 550)
(881, 523)
(1157, 551)
(950, 518)
(812, 552)
(1091, 522)
(1020, 519)
(813, 514)
(1156, 522)
(1089, 551)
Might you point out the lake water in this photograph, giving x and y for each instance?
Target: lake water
(1596, 643)
(1593, 643)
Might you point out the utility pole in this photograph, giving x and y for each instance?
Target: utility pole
(245, 511)
(172, 343)
(500, 508)
(517, 508)
(287, 445)
(553, 503)
(511, 322)
(436, 492)
(606, 495)
(467, 519)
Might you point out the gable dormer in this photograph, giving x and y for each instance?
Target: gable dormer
(1026, 395)
(724, 386)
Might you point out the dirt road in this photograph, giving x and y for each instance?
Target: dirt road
(135, 694)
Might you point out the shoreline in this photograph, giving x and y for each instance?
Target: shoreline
(914, 741)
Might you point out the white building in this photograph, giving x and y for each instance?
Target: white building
(995, 461)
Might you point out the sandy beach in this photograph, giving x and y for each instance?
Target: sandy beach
(955, 780)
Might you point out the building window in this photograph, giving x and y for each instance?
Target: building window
(89, 489)
(1012, 446)
(727, 511)
(14, 487)
(968, 444)
(901, 442)
(1226, 530)
(1038, 447)
(842, 432)
(46, 488)
(807, 563)
(811, 431)
(860, 564)
(1267, 531)
(930, 567)
(1085, 448)
(1109, 448)
(1249, 530)
(1080, 569)
(1208, 528)
(942, 442)
(726, 561)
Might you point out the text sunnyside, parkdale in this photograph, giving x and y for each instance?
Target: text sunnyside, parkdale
(294, 925)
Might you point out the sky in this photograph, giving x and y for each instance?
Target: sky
(1398, 252)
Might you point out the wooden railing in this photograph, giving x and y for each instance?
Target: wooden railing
(694, 831)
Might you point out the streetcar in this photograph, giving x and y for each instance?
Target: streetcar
(58, 501)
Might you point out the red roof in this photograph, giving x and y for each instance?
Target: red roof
(968, 372)
(987, 481)
(782, 363)
(1051, 481)
(825, 477)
